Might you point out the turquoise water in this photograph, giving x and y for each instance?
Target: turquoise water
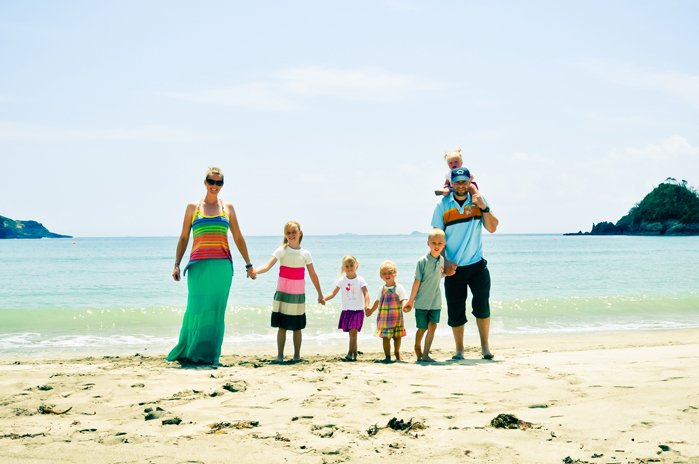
(111, 295)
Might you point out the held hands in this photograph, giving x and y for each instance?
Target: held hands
(367, 311)
(450, 270)
(408, 306)
(252, 273)
(321, 300)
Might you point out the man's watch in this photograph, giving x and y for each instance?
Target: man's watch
(248, 266)
(486, 209)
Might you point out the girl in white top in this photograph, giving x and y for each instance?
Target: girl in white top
(355, 301)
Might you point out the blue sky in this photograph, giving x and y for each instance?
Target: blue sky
(337, 114)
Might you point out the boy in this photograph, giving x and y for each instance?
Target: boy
(426, 296)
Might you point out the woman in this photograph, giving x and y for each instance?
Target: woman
(210, 273)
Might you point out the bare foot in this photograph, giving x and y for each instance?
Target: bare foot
(278, 361)
(426, 359)
(399, 357)
(458, 356)
(486, 353)
(418, 351)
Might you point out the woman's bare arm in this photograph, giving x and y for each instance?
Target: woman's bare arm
(184, 239)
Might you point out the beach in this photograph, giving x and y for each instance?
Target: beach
(614, 397)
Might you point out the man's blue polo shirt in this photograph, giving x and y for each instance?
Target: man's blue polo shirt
(463, 226)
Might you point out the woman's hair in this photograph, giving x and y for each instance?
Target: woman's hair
(349, 259)
(215, 171)
(390, 266)
(454, 154)
(287, 226)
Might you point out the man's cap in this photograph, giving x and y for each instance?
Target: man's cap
(460, 174)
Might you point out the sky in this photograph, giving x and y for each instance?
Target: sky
(338, 114)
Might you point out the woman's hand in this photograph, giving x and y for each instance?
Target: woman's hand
(176, 273)
(251, 273)
(321, 300)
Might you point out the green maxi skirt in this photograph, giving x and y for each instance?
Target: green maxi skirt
(208, 284)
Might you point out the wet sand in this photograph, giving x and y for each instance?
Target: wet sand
(628, 397)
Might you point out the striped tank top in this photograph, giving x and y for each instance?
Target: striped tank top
(210, 236)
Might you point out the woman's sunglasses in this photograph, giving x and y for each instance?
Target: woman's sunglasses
(214, 182)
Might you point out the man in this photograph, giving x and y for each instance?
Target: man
(461, 216)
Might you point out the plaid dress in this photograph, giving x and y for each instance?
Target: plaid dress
(390, 318)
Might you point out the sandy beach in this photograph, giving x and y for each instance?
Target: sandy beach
(629, 397)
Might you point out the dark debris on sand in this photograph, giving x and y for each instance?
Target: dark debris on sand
(399, 425)
(509, 421)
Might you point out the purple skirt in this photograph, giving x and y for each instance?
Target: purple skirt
(351, 320)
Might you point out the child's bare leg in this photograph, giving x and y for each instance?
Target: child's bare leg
(396, 345)
(431, 328)
(281, 340)
(418, 342)
(387, 348)
(297, 345)
(472, 189)
(352, 345)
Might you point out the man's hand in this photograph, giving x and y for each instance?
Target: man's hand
(478, 200)
(408, 306)
(251, 273)
(450, 270)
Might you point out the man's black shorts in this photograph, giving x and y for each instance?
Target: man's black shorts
(476, 277)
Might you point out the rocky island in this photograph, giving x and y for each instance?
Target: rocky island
(25, 229)
(672, 208)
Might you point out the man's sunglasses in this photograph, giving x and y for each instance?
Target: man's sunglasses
(214, 182)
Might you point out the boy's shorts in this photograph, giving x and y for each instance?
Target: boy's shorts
(423, 317)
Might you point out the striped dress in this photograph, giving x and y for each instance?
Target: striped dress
(210, 237)
(289, 308)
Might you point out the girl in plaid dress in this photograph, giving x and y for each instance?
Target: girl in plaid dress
(390, 302)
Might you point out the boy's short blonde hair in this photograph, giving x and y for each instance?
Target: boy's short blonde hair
(388, 266)
(454, 154)
(215, 171)
(436, 233)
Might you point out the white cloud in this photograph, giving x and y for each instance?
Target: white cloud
(671, 147)
(672, 83)
(399, 5)
(520, 156)
(152, 133)
(287, 88)
(260, 95)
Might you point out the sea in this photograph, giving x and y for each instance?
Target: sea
(108, 296)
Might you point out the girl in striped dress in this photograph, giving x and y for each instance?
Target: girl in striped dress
(390, 302)
(289, 308)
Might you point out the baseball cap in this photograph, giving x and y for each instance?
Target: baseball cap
(460, 174)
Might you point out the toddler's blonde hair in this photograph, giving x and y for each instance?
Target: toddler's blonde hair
(287, 226)
(388, 265)
(436, 232)
(215, 171)
(349, 259)
(454, 154)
